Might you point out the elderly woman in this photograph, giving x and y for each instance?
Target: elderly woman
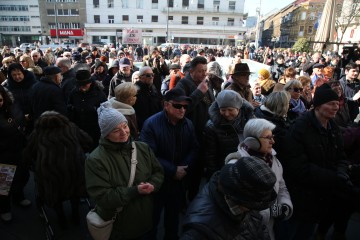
(135, 77)
(107, 173)
(228, 116)
(297, 107)
(124, 100)
(258, 144)
(28, 64)
(56, 149)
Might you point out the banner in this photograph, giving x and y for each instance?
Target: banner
(131, 36)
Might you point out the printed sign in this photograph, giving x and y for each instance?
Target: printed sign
(131, 36)
(7, 173)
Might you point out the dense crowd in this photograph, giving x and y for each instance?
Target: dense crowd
(279, 157)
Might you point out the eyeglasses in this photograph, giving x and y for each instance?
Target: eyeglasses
(179, 106)
(238, 55)
(270, 138)
(148, 75)
(295, 89)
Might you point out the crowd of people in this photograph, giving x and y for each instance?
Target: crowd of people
(277, 158)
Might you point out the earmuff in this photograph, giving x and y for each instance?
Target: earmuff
(252, 143)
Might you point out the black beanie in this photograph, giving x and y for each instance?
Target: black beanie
(324, 94)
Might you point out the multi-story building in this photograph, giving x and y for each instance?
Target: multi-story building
(19, 22)
(63, 20)
(349, 22)
(179, 21)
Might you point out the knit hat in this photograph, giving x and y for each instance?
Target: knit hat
(109, 118)
(229, 98)
(249, 182)
(324, 94)
(83, 77)
(264, 72)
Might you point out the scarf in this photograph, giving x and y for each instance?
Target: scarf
(299, 106)
(268, 158)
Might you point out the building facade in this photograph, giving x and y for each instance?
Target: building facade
(348, 24)
(178, 21)
(19, 22)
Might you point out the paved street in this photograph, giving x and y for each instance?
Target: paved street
(27, 225)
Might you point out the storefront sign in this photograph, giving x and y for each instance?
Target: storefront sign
(67, 32)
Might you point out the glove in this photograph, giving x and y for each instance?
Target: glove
(279, 212)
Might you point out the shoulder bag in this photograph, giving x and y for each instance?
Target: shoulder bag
(98, 228)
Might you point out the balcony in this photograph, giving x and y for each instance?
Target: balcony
(195, 10)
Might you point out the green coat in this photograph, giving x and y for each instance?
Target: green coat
(107, 172)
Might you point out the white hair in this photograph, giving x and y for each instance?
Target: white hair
(256, 126)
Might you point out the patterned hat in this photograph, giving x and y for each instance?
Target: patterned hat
(249, 182)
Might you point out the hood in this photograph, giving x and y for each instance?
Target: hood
(29, 80)
(121, 107)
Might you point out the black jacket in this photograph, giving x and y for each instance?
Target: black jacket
(47, 96)
(68, 83)
(311, 157)
(209, 218)
(222, 137)
(118, 78)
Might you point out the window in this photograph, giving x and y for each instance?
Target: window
(124, 3)
(111, 18)
(310, 29)
(125, 18)
(171, 3)
(139, 18)
(50, 12)
(96, 18)
(110, 3)
(96, 3)
(185, 3)
(231, 22)
(154, 4)
(184, 20)
(154, 18)
(232, 5)
(217, 4)
(200, 21)
(215, 21)
(303, 15)
(14, 8)
(170, 18)
(140, 4)
(74, 12)
(301, 31)
(200, 4)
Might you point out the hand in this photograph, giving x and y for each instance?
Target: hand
(255, 104)
(356, 96)
(203, 86)
(155, 63)
(180, 172)
(145, 188)
(162, 60)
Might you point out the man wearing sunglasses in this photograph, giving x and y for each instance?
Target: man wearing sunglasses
(148, 100)
(172, 138)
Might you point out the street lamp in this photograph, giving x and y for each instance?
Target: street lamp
(258, 10)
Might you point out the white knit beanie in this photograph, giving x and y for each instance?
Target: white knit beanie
(109, 118)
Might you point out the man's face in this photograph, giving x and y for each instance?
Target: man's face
(318, 71)
(198, 73)
(256, 90)
(147, 77)
(352, 74)
(185, 60)
(58, 79)
(280, 61)
(174, 71)
(316, 57)
(175, 110)
(242, 79)
(125, 69)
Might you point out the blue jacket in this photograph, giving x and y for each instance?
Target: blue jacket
(160, 135)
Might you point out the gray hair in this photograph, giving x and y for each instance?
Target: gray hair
(143, 69)
(291, 84)
(278, 103)
(63, 62)
(33, 52)
(256, 126)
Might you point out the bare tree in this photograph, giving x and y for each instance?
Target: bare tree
(345, 16)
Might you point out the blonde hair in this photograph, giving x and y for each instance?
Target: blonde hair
(124, 91)
(28, 60)
(304, 80)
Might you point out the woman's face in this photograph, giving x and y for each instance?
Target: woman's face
(24, 63)
(307, 88)
(328, 110)
(336, 87)
(295, 92)
(17, 75)
(267, 141)
(120, 134)
(229, 113)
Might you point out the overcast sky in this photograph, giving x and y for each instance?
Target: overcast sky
(266, 5)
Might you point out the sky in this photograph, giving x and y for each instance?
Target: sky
(266, 5)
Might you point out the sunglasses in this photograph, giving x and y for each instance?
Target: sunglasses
(179, 106)
(238, 55)
(295, 89)
(148, 75)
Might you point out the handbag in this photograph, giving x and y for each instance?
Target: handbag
(98, 228)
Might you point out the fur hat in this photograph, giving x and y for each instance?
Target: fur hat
(214, 68)
(229, 98)
(109, 118)
(264, 72)
(249, 182)
(324, 94)
(83, 77)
